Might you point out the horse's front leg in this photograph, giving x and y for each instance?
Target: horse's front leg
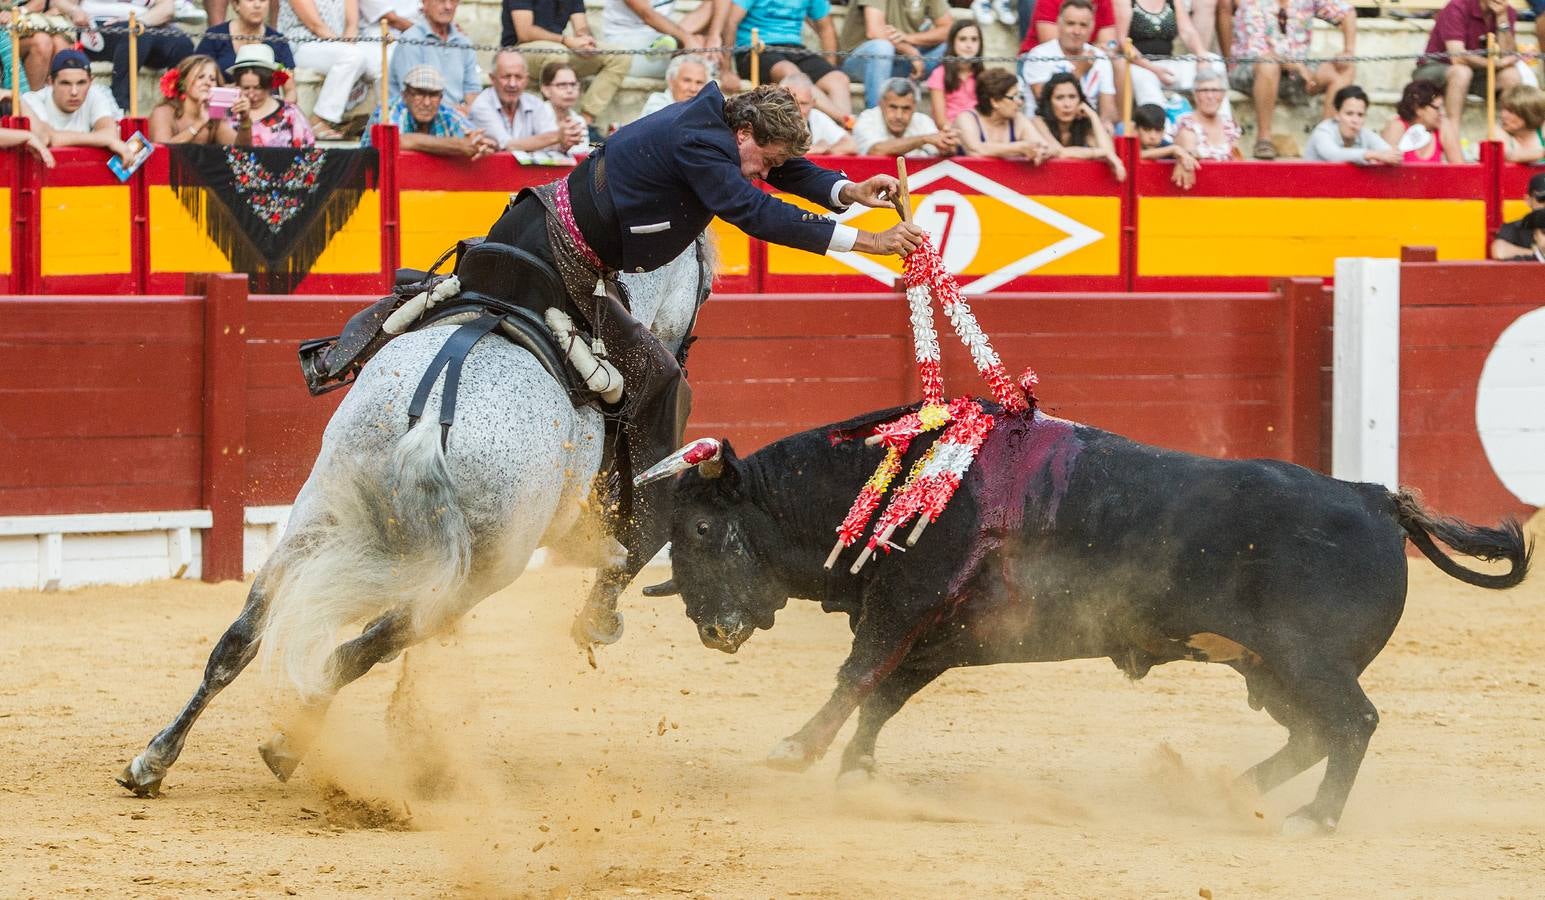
(641, 536)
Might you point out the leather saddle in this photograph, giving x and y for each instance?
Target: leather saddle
(495, 278)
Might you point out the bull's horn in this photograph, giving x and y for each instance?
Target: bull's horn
(700, 451)
(666, 588)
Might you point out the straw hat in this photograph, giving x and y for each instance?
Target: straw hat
(253, 56)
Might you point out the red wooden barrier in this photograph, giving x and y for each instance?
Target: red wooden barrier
(225, 422)
(1451, 316)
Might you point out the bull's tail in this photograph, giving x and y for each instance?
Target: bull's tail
(391, 537)
(1506, 541)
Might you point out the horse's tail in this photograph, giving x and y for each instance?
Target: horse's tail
(390, 537)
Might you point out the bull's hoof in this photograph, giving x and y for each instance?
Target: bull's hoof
(280, 758)
(1302, 825)
(137, 778)
(790, 756)
(596, 627)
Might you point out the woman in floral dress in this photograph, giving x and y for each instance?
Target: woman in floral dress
(259, 118)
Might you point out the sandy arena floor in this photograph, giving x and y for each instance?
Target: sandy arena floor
(508, 767)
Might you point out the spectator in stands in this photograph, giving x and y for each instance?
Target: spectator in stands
(71, 111)
(1514, 240)
(997, 125)
(893, 38)
(37, 33)
(537, 28)
(1455, 58)
(1153, 26)
(399, 15)
(684, 77)
(16, 137)
(1343, 138)
(1151, 123)
(250, 26)
(827, 138)
(1205, 132)
(952, 85)
(313, 26)
(259, 118)
(1065, 118)
(506, 112)
(158, 47)
(560, 85)
(896, 128)
(1522, 116)
(1277, 31)
(1043, 23)
(648, 25)
(182, 116)
(779, 24)
(1420, 130)
(428, 123)
(437, 41)
(1070, 51)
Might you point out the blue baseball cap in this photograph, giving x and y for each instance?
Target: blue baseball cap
(68, 59)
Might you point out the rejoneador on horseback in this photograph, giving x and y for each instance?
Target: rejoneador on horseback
(453, 458)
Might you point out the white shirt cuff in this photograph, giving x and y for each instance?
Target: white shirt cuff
(836, 203)
(843, 238)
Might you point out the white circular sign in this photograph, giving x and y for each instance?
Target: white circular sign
(952, 224)
(1510, 407)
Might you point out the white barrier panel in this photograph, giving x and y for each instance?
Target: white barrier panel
(1365, 400)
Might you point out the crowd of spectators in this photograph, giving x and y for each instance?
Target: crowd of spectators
(927, 91)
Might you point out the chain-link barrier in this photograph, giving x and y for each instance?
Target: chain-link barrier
(666, 53)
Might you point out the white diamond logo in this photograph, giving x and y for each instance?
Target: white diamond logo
(1078, 235)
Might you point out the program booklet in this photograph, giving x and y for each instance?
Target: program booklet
(142, 148)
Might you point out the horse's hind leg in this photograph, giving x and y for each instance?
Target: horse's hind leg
(383, 639)
(231, 655)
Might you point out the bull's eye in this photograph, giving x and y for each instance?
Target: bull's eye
(702, 527)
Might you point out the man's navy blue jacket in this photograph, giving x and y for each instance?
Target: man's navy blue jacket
(672, 171)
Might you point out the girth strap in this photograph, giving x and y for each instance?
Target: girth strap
(452, 353)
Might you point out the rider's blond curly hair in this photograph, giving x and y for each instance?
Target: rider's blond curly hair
(773, 116)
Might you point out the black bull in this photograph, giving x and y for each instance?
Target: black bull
(1067, 542)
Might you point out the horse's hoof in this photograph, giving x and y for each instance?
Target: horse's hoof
(281, 760)
(142, 784)
(790, 756)
(1302, 825)
(591, 628)
(858, 775)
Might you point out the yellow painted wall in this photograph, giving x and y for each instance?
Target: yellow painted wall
(1275, 235)
(433, 221)
(85, 230)
(1513, 210)
(180, 244)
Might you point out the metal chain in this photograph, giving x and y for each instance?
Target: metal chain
(122, 28)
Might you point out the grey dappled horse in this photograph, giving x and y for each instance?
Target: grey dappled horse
(391, 530)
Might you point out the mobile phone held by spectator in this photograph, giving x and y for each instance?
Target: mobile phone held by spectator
(142, 148)
(220, 101)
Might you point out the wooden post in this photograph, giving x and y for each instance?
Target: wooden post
(756, 57)
(1493, 159)
(134, 30)
(225, 423)
(384, 138)
(386, 43)
(1130, 152)
(1306, 315)
(139, 215)
(1128, 51)
(15, 66)
(1491, 88)
(904, 196)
